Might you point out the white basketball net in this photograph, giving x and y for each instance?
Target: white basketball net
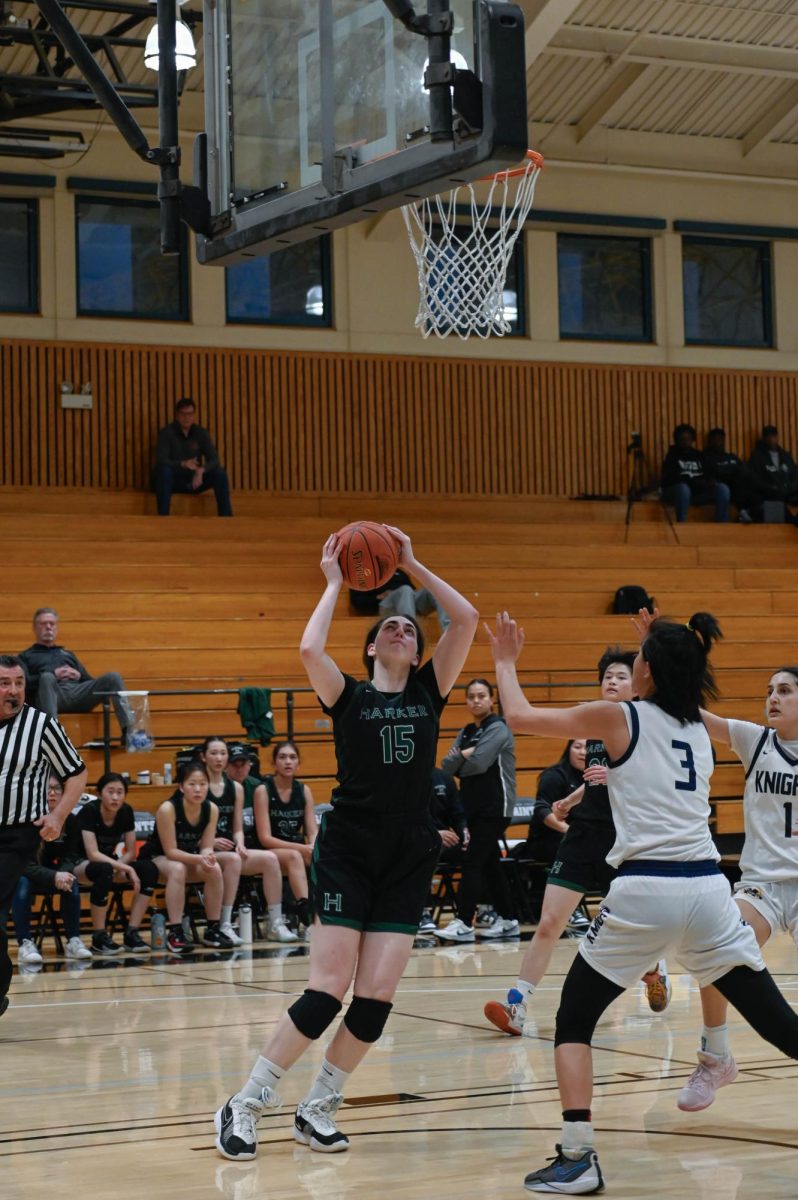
(462, 257)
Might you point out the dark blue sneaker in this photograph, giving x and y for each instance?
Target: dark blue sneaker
(568, 1176)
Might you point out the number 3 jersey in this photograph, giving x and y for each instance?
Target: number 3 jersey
(659, 789)
(386, 745)
(770, 802)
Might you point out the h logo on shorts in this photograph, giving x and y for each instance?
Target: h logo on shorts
(333, 902)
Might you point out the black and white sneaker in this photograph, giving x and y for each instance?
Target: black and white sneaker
(134, 943)
(314, 1125)
(176, 940)
(104, 944)
(486, 917)
(426, 923)
(236, 1124)
(213, 936)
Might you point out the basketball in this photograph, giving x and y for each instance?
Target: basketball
(369, 555)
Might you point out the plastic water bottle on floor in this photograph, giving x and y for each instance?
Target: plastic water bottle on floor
(245, 924)
(158, 931)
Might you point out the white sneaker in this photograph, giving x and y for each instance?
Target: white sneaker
(713, 1071)
(75, 949)
(236, 1124)
(509, 1016)
(28, 953)
(229, 932)
(501, 928)
(457, 931)
(278, 931)
(314, 1124)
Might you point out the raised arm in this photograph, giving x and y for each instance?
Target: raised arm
(450, 654)
(717, 727)
(599, 719)
(324, 674)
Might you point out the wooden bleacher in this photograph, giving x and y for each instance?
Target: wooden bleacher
(193, 602)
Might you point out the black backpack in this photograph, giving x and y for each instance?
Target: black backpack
(631, 599)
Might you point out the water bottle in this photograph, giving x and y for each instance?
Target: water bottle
(167, 772)
(158, 931)
(245, 924)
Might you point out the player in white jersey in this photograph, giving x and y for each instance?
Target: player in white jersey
(768, 889)
(669, 891)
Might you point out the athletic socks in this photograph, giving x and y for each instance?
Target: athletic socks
(227, 914)
(715, 1040)
(526, 990)
(275, 913)
(329, 1079)
(265, 1074)
(577, 1132)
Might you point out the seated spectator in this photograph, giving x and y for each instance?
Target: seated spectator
(52, 872)
(722, 466)
(285, 819)
(483, 759)
(57, 681)
(398, 597)
(562, 781)
(684, 479)
(230, 848)
(186, 461)
(448, 815)
(181, 846)
(104, 825)
(773, 472)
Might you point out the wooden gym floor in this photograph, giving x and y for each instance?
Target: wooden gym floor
(111, 1075)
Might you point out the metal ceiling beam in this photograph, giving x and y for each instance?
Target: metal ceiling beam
(763, 130)
(543, 20)
(602, 107)
(667, 50)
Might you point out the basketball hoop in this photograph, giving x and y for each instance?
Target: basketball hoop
(462, 272)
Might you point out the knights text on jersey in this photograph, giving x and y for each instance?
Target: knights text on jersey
(770, 802)
(386, 744)
(659, 789)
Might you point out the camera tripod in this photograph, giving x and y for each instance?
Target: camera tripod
(642, 479)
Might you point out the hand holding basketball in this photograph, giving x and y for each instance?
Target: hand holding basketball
(368, 554)
(406, 556)
(330, 566)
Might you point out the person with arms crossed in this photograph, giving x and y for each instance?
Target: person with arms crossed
(669, 890)
(32, 744)
(374, 855)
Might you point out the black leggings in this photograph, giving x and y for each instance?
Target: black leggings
(481, 864)
(101, 877)
(586, 994)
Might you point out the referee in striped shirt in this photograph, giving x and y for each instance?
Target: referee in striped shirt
(32, 744)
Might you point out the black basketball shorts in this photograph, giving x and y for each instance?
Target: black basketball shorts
(581, 862)
(373, 873)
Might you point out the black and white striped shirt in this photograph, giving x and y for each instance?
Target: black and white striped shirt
(31, 745)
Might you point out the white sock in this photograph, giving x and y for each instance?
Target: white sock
(329, 1079)
(264, 1074)
(275, 913)
(526, 989)
(227, 914)
(577, 1137)
(715, 1040)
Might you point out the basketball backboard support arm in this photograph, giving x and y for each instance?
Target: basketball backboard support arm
(177, 201)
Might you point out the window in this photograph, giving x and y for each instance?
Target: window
(727, 298)
(19, 278)
(286, 287)
(604, 287)
(120, 269)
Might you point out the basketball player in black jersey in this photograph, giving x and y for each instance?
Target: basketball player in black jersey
(375, 852)
(285, 820)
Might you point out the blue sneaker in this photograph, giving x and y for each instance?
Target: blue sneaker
(568, 1176)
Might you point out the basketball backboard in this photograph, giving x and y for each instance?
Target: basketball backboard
(317, 114)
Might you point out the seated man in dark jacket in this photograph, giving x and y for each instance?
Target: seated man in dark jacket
(774, 475)
(723, 466)
(684, 479)
(186, 461)
(57, 680)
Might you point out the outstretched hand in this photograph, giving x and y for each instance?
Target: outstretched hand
(507, 642)
(643, 622)
(330, 566)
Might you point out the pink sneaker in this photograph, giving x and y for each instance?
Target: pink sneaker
(713, 1071)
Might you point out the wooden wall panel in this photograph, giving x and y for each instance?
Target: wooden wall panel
(338, 424)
